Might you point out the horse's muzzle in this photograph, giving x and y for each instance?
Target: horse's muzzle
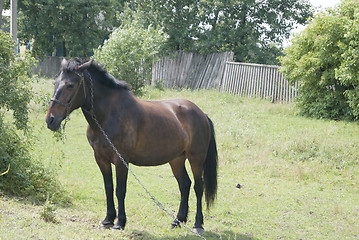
(53, 123)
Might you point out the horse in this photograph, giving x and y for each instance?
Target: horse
(145, 133)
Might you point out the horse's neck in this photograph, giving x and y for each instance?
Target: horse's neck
(107, 103)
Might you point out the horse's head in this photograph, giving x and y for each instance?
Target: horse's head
(69, 94)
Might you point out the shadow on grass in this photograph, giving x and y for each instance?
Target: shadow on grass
(225, 235)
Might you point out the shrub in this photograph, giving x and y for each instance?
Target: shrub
(129, 52)
(26, 177)
(324, 59)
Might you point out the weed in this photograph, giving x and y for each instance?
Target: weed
(159, 85)
(48, 213)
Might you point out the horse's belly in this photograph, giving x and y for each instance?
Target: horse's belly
(159, 147)
(143, 162)
(153, 159)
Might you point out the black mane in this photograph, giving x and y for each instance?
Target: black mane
(97, 72)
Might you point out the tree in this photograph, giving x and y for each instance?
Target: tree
(347, 73)
(178, 18)
(15, 79)
(130, 51)
(26, 176)
(1, 8)
(253, 30)
(66, 28)
(324, 60)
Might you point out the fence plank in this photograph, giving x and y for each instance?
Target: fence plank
(256, 80)
(193, 70)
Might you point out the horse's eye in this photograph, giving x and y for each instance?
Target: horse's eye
(69, 85)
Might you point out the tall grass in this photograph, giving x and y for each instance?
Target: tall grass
(298, 178)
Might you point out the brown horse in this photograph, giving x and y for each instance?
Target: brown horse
(146, 133)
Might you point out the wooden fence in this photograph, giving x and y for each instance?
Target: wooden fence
(196, 71)
(257, 80)
(49, 67)
(191, 70)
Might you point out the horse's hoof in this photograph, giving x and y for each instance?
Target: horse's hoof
(175, 223)
(118, 227)
(200, 230)
(106, 226)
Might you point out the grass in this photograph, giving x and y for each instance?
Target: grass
(299, 179)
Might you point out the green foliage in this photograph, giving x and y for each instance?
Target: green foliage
(251, 29)
(48, 213)
(347, 73)
(15, 78)
(130, 51)
(324, 60)
(26, 177)
(66, 28)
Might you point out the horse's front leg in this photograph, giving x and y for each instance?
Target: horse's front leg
(121, 178)
(106, 171)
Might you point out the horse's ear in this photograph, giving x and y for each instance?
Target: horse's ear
(85, 66)
(64, 62)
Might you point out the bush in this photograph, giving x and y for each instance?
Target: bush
(324, 59)
(15, 78)
(26, 177)
(130, 51)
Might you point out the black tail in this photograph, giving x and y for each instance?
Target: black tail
(210, 169)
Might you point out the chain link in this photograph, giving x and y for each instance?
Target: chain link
(155, 200)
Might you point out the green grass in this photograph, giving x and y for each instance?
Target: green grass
(299, 179)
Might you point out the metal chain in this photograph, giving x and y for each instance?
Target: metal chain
(155, 200)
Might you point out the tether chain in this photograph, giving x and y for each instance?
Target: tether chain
(155, 200)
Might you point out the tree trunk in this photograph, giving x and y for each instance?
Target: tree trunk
(64, 49)
(1, 7)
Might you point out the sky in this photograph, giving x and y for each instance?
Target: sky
(324, 3)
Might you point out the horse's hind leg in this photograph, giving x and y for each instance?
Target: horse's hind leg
(184, 183)
(197, 170)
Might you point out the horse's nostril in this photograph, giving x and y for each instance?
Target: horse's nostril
(52, 123)
(50, 120)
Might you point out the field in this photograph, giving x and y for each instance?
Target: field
(281, 176)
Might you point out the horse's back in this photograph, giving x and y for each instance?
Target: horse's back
(191, 119)
(185, 112)
(169, 129)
